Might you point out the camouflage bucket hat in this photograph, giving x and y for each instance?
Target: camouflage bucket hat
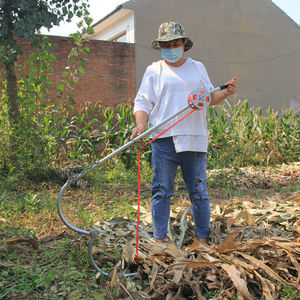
(170, 31)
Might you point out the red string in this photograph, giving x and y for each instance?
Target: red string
(139, 180)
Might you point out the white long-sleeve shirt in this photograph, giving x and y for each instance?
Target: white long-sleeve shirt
(164, 91)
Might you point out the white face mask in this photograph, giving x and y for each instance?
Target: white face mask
(172, 55)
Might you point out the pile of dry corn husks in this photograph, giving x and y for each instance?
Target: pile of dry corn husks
(254, 252)
(259, 177)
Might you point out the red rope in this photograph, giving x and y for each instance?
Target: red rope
(139, 179)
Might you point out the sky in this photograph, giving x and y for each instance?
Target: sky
(100, 8)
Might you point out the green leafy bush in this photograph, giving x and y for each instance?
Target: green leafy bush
(52, 137)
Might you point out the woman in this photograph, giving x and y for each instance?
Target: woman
(164, 90)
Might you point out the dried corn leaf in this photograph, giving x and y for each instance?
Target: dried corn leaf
(197, 246)
(229, 244)
(266, 290)
(296, 229)
(291, 247)
(238, 282)
(177, 275)
(249, 220)
(128, 253)
(241, 263)
(153, 274)
(172, 250)
(295, 263)
(159, 262)
(192, 264)
(196, 289)
(268, 270)
(114, 278)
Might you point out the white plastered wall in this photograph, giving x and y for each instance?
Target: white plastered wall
(121, 22)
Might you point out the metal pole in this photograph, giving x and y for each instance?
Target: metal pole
(96, 164)
(79, 175)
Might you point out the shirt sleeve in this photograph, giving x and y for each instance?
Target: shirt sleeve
(208, 83)
(206, 80)
(146, 97)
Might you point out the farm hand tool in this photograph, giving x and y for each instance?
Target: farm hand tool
(198, 99)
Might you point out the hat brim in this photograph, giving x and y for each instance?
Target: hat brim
(188, 43)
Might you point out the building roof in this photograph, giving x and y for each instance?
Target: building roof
(117, 9)
(119, 13)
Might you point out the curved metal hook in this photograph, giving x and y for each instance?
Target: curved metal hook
(61, 214)
(90, 252)
(91, 258)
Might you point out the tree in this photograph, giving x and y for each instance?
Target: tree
(24, 19)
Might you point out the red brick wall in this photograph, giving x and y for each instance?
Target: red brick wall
(109, 73)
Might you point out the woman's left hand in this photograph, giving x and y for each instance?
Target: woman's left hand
(232, 86)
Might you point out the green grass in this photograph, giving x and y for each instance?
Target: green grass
(64, 271)
(287, 293)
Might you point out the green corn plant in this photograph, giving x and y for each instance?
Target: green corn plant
(126, 124)
(240, 136)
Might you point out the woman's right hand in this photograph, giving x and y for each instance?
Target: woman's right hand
(137, 131)
(141, 118)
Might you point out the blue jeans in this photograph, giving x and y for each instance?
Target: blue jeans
(165, 162)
